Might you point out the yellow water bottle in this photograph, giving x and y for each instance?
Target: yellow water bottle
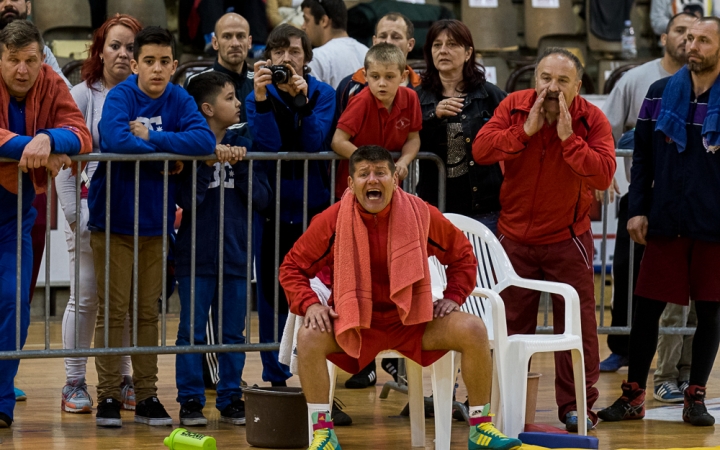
(182, 439)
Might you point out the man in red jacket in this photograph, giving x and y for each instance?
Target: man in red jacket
(556, 148)
(376, 242)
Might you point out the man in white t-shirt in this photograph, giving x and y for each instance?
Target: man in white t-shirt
(622, 108)
(336, 55)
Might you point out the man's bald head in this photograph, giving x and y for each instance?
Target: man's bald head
(232, 41)
(229, 20)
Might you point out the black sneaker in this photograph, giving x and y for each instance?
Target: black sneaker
(630, 406)
(390, 365)
(365, 378)
(429, 408)
(695, 413)
(5, 421)
(234, 413)
(151, 412)
(191, 414)
(339, 417)
(108, 413)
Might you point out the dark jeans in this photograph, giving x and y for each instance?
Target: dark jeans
(618, 343)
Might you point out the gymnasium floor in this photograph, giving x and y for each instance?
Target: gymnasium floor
(41, 425)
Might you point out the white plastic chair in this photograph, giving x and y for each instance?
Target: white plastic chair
(443, 383)
(512, 353)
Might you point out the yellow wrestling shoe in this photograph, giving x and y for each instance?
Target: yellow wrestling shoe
(324, 437)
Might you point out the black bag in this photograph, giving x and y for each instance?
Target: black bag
(363, 18)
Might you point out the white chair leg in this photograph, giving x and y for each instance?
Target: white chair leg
(416, 403)
(513, 395)
(443, 382)
(580, 393)
(495, 397)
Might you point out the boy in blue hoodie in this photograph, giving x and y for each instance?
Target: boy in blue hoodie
(214, 94)
(144, 114)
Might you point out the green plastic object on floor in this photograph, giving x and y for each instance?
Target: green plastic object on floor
(182, 439)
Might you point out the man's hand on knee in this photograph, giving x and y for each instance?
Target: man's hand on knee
(444, 307)
(320, 316)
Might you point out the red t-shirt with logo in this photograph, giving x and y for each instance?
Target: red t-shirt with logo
(370, 123)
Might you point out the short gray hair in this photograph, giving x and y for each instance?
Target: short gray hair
(564, 53)
(21, 33)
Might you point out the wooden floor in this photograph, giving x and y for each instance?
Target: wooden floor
(39, 423)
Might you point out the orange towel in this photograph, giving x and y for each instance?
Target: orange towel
(410, 287)
(48, 104)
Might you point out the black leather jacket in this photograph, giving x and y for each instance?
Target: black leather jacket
(479, 193)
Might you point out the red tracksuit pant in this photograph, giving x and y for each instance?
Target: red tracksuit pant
(568, 262)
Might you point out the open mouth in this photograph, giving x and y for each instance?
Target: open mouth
(373, 194)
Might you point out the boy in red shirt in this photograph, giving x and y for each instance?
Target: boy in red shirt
(387, 114)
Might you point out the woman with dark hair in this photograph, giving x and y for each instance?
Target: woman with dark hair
(456, 102)
(108, 64)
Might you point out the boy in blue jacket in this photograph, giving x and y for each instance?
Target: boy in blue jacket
(214, 94)
(144, 114)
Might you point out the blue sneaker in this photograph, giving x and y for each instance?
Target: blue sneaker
(668, 392)
(613, 363)
(20, 395)
(571, 422)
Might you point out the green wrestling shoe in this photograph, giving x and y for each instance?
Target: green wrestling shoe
(324, 437)
(484, 435)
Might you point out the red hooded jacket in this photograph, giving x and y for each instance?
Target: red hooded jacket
(547, 191)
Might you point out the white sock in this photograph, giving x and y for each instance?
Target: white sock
(317, 407)
(474, 411)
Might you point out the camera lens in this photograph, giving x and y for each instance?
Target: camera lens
(279, 76)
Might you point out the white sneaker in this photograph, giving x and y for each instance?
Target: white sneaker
(127, 393)
(75, 397)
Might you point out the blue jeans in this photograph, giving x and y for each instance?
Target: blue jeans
(490, 220)
(188, 366)
(8, 302)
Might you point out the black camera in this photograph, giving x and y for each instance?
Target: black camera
(280, 74)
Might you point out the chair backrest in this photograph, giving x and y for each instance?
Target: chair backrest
(615, 77)
(72, 70)
(190, 68)
(148, 12)
(493, 270)
(50, 14)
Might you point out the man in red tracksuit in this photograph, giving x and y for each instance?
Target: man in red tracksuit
(556, 148)
(376, 242)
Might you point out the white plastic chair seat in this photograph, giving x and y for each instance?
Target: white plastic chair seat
(544, 342)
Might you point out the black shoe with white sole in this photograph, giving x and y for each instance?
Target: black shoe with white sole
(365, 378)
(108, 413)
(234, 413)
(151, 412)
(191, 414)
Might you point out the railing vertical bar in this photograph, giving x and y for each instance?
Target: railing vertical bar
(250, 258)
(136, 251)
(193, 246)
(106, 318)
(221, 253)
(48, 211)
(305, 194)
(441, 185)
(631, 282)
(18, 258)
(163, 301)
(333, 180)
(603, 255)
(76, 236)
(277, 251)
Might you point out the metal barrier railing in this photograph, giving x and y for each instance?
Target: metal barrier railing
(163, 348)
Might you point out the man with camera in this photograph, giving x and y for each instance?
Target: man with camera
(288, 111)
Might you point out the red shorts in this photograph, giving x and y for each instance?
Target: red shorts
(676, 270)
(387, 332)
